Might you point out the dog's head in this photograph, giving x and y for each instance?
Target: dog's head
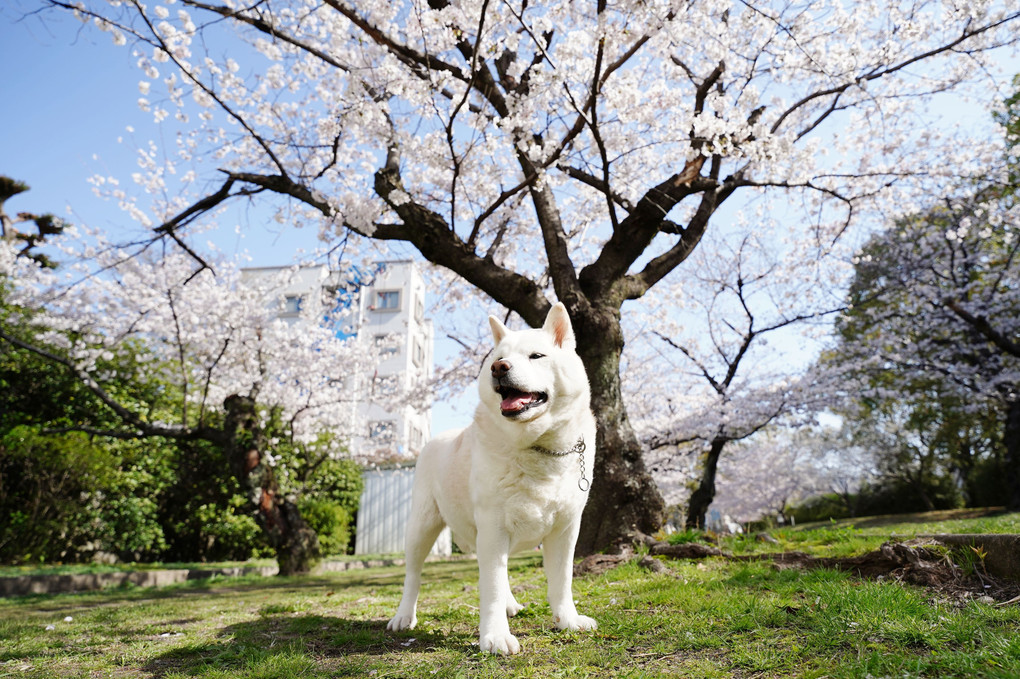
(534, 372)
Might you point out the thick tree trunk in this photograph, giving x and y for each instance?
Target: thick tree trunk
(1011, 435)
(295, 543)
(701, 498)
(623, 494)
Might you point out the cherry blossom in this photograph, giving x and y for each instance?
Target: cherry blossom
(577, 151)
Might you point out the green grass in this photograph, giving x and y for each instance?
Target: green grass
(848, 537)
(704, 619)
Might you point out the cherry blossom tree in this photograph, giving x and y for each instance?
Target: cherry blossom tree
(238, 375)
(551, 149)
(767, 474)
(720, 355)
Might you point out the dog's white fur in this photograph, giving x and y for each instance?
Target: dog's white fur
(500, 495)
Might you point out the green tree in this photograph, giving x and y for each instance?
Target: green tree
(154, 489)
(932, 332)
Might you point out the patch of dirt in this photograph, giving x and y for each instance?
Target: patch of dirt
(688, 550)
(597, 564)
(922, 562)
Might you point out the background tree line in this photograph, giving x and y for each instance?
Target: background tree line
(134, 437)
(69, 496)
(929, 346)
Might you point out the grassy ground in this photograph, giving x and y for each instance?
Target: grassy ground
(855, 536)
(704, 619)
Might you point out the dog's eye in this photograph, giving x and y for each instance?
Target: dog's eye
(536, 356)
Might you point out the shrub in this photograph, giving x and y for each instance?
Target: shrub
(48, 490)
(226, 533)
(331, 522)
(890, 496)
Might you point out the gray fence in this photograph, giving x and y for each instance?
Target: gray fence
(383, 513)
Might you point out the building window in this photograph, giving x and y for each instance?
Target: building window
(419, 353)
(388, 345)
(382, 431)
(419, 309)
(292, 304)
(387, 300)
(385, 385)
(417, 439)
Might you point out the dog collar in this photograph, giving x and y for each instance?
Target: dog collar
(577, 449)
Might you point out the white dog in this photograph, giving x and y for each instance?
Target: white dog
(515, 478)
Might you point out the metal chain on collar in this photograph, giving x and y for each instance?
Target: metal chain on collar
(583, 483)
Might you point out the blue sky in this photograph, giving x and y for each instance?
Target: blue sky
(70, 102)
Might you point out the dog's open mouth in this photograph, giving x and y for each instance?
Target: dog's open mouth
(516, 402)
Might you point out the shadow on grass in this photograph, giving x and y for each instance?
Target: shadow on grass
(277, 645)
(282, 644)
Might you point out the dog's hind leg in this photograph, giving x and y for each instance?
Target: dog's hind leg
(513, 607)
(423, 528)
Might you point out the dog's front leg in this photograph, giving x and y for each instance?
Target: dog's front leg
(493, 553)
(558, 556)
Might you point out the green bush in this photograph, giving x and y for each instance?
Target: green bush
(49, 486)
(335, 480)
(129, 527)
(204, 511)
(890, 496)
(331, 522)
(227, 533)
(987, 484)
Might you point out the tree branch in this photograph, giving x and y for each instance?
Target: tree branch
(637, 229)
(982, 325)
(140, 427)
(430, 234)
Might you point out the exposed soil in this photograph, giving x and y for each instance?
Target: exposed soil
(922, 562)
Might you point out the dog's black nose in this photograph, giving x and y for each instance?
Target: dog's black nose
(500, 368)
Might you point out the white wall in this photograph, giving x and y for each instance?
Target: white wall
(384, 511)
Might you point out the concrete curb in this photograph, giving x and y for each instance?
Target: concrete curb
(1001, 551)
(21, 585)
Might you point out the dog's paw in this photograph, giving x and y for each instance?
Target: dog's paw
(576, 623)
(500, 643)
(513, 608)
(400, 622)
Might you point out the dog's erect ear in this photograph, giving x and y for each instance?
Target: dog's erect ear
(499, 330)
(557, 324)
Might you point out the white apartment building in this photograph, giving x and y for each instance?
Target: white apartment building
(384, 306)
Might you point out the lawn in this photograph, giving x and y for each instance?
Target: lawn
(710, 618)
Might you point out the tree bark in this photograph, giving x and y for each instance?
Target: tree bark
(701, 498)
(623, 495)
(295, 543)
(1011, 434)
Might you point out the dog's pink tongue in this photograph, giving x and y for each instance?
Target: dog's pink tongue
(516, 401)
